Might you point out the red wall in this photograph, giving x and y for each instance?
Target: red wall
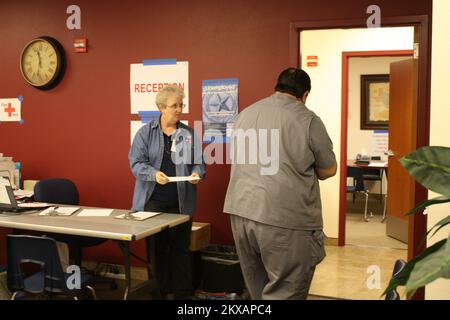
(80, 129)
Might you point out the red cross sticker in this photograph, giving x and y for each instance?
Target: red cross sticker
(10, 110)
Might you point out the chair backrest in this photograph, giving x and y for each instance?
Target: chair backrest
(61, 191)
(39, 250)
(398, 267)
(357, 174)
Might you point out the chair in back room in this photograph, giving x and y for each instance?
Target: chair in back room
(358, 186)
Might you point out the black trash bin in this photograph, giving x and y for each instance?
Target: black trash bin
(220, 269)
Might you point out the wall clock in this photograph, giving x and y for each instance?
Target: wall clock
(42, 62)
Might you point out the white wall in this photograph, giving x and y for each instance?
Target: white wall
(325, 97)
(358, 139)
(439, 129)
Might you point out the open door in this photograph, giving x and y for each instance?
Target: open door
(402, 141)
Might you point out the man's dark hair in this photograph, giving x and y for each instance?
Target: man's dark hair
(293, 81)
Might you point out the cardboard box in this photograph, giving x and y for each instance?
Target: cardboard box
(200, 235)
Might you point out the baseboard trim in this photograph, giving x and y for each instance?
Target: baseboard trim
(331, 242)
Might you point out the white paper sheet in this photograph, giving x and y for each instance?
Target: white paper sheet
(378, 164)
(188, 178)
(95, 213)
(59, 211)
(34, 205)
(23, 193)
(140, 215)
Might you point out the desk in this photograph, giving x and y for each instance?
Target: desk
(374, 164)
(123, 232)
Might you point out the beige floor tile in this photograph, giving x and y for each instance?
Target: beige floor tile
(345, 272)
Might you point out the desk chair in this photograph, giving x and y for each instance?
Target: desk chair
(50, 279)
(398, 266)
(358, 186)
(64, 191)
(375, 175)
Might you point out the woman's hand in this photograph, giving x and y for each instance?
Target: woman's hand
(161, 178)
(195, 174)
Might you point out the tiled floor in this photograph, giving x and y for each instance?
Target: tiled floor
(351, 272)
(346, 273)
(370, 234)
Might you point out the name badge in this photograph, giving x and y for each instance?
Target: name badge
(174, 146)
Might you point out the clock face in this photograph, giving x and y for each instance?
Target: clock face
(41, 62)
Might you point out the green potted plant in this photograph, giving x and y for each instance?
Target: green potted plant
(430, 166)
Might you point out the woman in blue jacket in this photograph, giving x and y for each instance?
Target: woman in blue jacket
(161, 149)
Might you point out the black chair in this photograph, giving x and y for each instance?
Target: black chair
(50, 279)
(358, 186)
(398, 267)
(64, 191)
(375, 175)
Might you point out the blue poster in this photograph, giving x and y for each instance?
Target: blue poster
(220, 108)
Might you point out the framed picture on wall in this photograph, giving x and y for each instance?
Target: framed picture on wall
(374, 101)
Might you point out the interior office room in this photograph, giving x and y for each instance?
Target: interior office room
(82, 126)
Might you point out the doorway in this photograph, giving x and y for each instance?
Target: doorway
(417, 223)
(365, 220)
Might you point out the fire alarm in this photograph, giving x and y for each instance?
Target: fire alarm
(80, 45)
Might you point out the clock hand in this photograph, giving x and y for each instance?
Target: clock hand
(39, 56)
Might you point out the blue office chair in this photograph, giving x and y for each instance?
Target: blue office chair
(398, 267)
(64, 191)
(50, 279)
(358, 186)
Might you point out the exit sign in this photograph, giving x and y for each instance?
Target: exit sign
(312, 61)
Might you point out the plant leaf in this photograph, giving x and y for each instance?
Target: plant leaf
(441, 224)
(435, 265)
(402, 277)
(429, 202)
(430, 166)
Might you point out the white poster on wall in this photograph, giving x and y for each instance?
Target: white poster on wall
(147, 78)
(10, 109)
(379, 143)
(220, 108)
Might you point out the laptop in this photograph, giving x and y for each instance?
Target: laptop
(8, 203)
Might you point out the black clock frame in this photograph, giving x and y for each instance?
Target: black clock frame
(60, 68)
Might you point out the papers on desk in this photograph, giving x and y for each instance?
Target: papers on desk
(139, 216)
(59, 211)
(378, 164)
(37, 205)
(95, 213)
(186, 178)
(20, 194)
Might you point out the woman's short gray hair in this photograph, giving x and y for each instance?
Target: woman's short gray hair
(163, 94)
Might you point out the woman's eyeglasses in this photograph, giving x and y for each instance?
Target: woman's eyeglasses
(177, 105)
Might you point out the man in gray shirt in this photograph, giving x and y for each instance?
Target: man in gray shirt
(276, 215)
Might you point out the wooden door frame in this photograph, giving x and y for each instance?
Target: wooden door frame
(344, 126)
(417, 223)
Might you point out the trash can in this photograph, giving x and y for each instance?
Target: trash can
(220, 269)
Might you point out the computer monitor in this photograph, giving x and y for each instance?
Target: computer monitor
(7, 200)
